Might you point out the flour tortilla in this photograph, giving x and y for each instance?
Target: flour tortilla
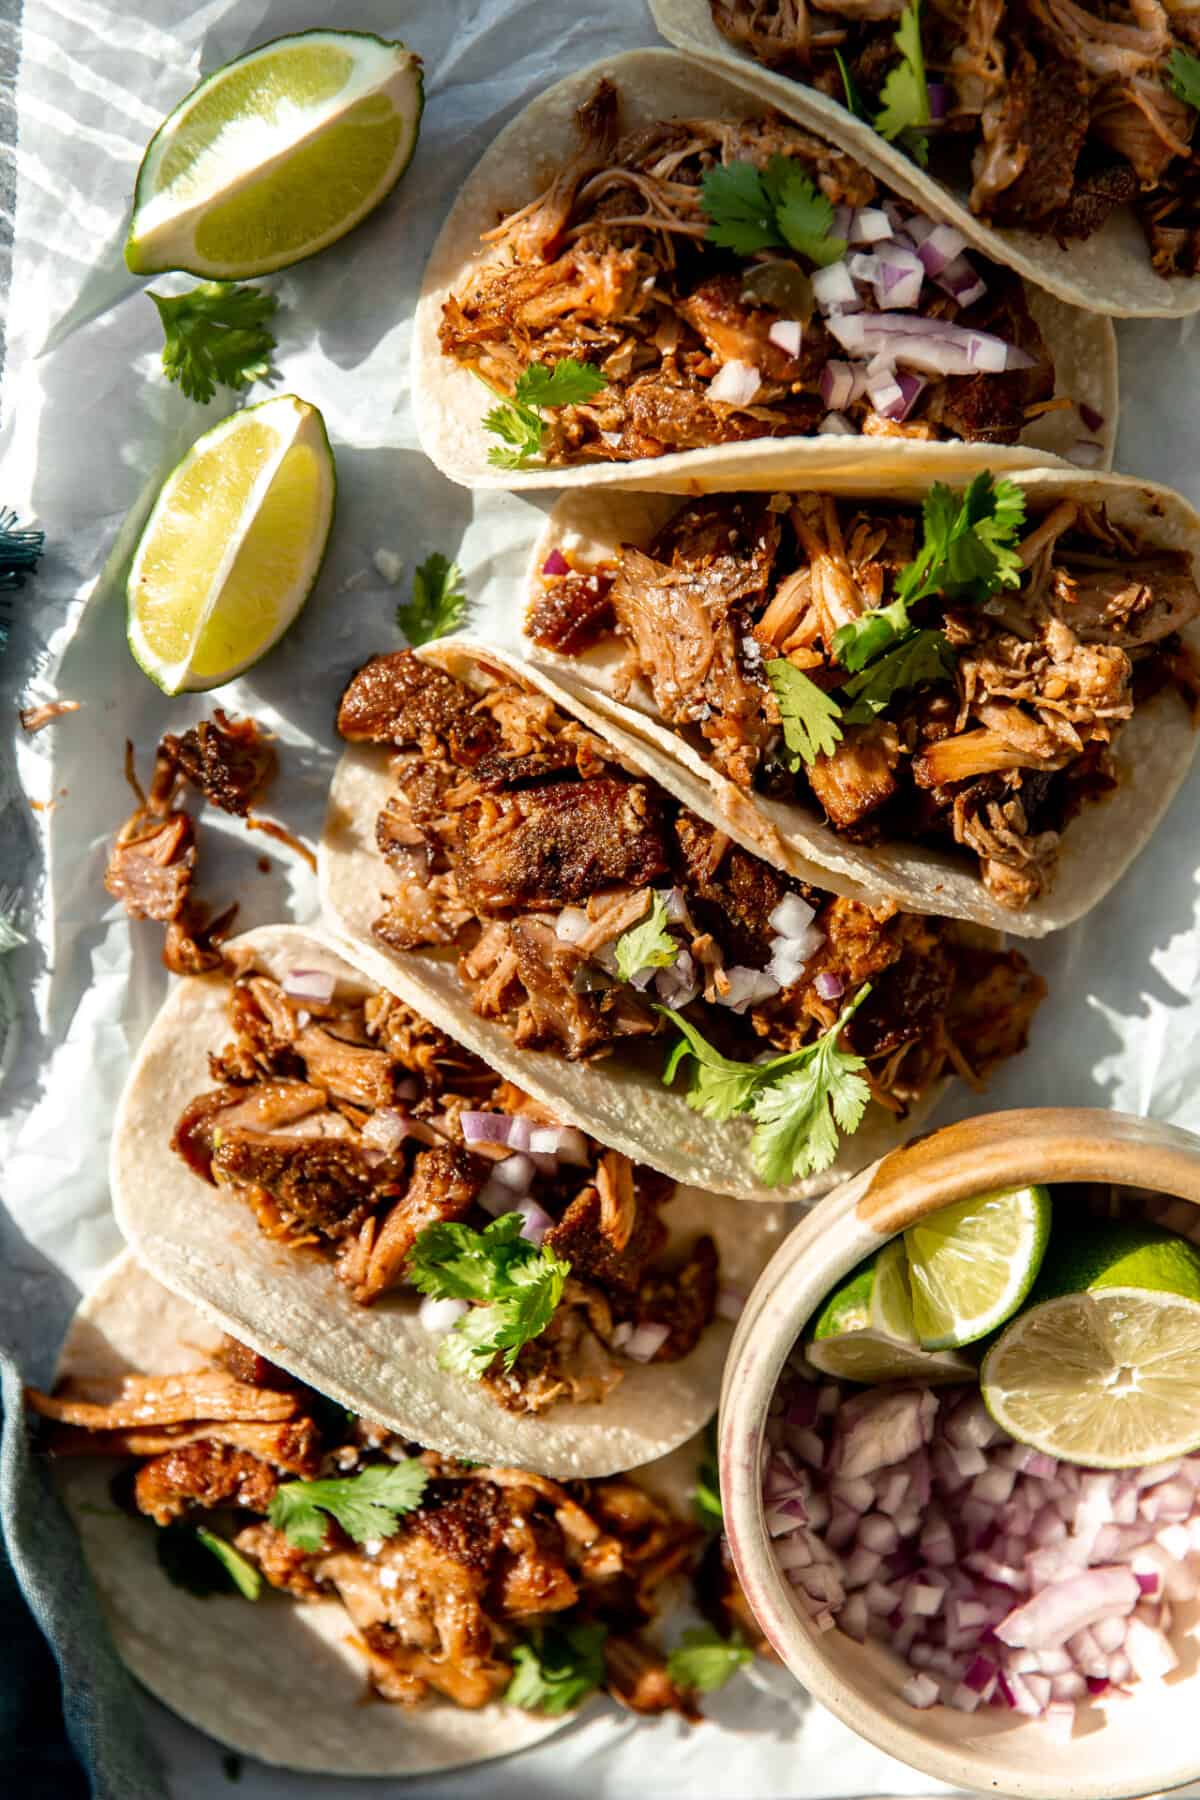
(1153, 751)
(450, 401)
(277, 1680)
(619, 1099)
(1110, 272)
(202, 1241)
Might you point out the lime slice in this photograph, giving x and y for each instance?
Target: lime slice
(232, 546)
(970, 1265)
(1104, 1367)
(276, 155)
(864, 1332)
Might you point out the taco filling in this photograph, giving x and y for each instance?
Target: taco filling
(708, 281)
(354, 1129)
(460, 1583)
(954, 677)
(1049, 113)
(592, 913)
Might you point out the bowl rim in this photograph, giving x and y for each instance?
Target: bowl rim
(1050, 1144)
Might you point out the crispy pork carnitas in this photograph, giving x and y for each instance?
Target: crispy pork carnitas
(953, 677)
(1051, 113)
(592, 913)
(705, 281)
(153, 862)
(461, 1583)
(354, 1128)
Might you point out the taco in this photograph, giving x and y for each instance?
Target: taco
(571, 905)
(1056, 137)
(977, 701)
(682, 279)
(341, 1184)
(260, 1554)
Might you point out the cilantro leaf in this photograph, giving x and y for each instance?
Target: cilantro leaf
(516, 1286)
(922, 656)
(703, 1660)
(216, 335)
(1183, 76)
(810, 717)
(800, 1114)
(519, 422)
(969, 550)
(438, 603)
(197, 1560)
(648, 944)
(706, 1495)
(854, 100)
(778, 208)
(365, 1506)
(906, 111)
(555, 1668)
(719, 1088)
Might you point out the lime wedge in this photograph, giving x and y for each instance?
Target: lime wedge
(864, 1332)
(971, 1265)
(276, 155)
(1104, 1368)
(232, 546)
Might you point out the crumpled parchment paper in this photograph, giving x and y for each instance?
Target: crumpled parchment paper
(89, 428)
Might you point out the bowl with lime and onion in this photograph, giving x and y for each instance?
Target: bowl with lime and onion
(960, 1454)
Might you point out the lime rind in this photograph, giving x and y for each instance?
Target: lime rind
(864, 1332)
(972, 1264)
(1108, 1379)
(295, 422)
(161, 237)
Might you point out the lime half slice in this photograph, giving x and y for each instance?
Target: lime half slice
(972, 1264)
(232, 546)
(276, 155)
(1109, 1379)
(864, 1332)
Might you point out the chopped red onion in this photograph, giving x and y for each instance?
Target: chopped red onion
(485, 1127)
(386, 1129)
(556, 563)
(885, 394)
(868, 226)
(842, 223)
(317, 986)
(900, 276)
(563, 1142)
(791, 917)
(836, 424)
(962, 281)
(735, 383)
(730, 1302)
(438, 1316)
(934, 346)
(787, 335)
(939, 98)
(678, 985)
(571, 924)
(833, 286)
(747, 987)
(941, 246)
(537, 1220)
(1094, 421)
(921, 1691)
(863, 267)
(829, 985)
(644, 1343)
(841, 383)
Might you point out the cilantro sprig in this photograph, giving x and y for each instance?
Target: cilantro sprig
(438, 603)
(648, 944)
(703, 1660)
(200, 1562)
(365, 1506)
(969, 550)
(519, 421)
(706, 1495)
(1183, 77)
(776, 208)
(810, 717)
(555, 1668)
(216, 336)
(922, 657)
(799, 1102)
(906, 111)
(516, 1286)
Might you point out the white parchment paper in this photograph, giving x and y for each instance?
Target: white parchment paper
(87, 432)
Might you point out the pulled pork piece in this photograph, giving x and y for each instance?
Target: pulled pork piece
(145, 1400)
(573, 614)
(228, 760)
(205, 1474)
(323, 1185)
(610, 1233)
(549, 845)
(397, 699)
(444, 1185)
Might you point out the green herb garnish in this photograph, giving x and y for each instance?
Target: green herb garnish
(1183, 77)
(554, 1669)
(365, 1506)
(519, 420)
(706, 1495)
(922, 656)
(216, 335)
(516, 1287)
(810, 717)
(776, 208)
(703, 1660)
(906, 111)
(200, 1562)
(438, 603)
(648, 944)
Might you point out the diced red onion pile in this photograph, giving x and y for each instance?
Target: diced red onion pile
(893, 349)
(1000, 1575)
(795, 942)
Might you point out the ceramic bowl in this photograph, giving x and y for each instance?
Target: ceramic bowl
(1137, 1744)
